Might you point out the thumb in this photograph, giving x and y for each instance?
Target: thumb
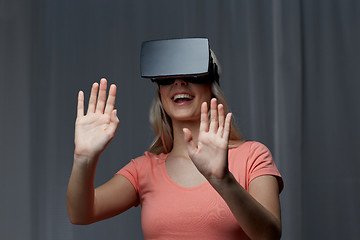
(189, 140)
(114, 121)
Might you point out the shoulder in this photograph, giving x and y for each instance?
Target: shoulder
(248, 147)
(257, 148)
(148, 159)
(255, 159)
(252, 156)
(140, 166)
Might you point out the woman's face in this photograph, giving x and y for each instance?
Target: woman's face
(182, 100)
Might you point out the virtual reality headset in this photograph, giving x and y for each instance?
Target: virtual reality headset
(186, 58)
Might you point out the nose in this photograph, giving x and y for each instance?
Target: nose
(180, 82)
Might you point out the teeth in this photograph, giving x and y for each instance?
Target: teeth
(178, 96)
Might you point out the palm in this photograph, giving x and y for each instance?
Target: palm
(210, 153)
(94, 130)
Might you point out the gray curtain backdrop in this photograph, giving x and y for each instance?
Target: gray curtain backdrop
(290, 72)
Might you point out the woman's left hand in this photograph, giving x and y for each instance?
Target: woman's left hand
(210, 152)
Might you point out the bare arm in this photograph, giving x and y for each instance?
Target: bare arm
(257, 211)
(93, 132)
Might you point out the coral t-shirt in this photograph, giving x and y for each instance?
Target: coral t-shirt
(170, 211)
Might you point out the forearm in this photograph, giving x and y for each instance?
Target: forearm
(256, 221)
(81, 192)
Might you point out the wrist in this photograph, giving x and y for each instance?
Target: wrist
(85, 158)
(226, 181)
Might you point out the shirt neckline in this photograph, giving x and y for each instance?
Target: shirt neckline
(163, 157)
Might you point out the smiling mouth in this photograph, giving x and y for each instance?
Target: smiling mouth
(184, 97)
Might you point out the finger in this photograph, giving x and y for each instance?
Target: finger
(93, 97)
(213, 116)
(102, 96)
(221, 119)
(189, 140)
(114, 123)
(227, 127)
(110, 104)
(80, 104)
(204, 119)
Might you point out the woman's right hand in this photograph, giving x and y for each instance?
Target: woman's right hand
(95, 130)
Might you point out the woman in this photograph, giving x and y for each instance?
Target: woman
(197, 181)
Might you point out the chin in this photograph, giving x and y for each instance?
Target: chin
(185, 117)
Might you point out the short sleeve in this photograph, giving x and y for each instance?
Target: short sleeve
(129, 171)
(261, 163)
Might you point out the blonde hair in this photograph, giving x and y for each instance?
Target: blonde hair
(162, 125)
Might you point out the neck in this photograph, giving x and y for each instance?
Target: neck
(180, 146)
